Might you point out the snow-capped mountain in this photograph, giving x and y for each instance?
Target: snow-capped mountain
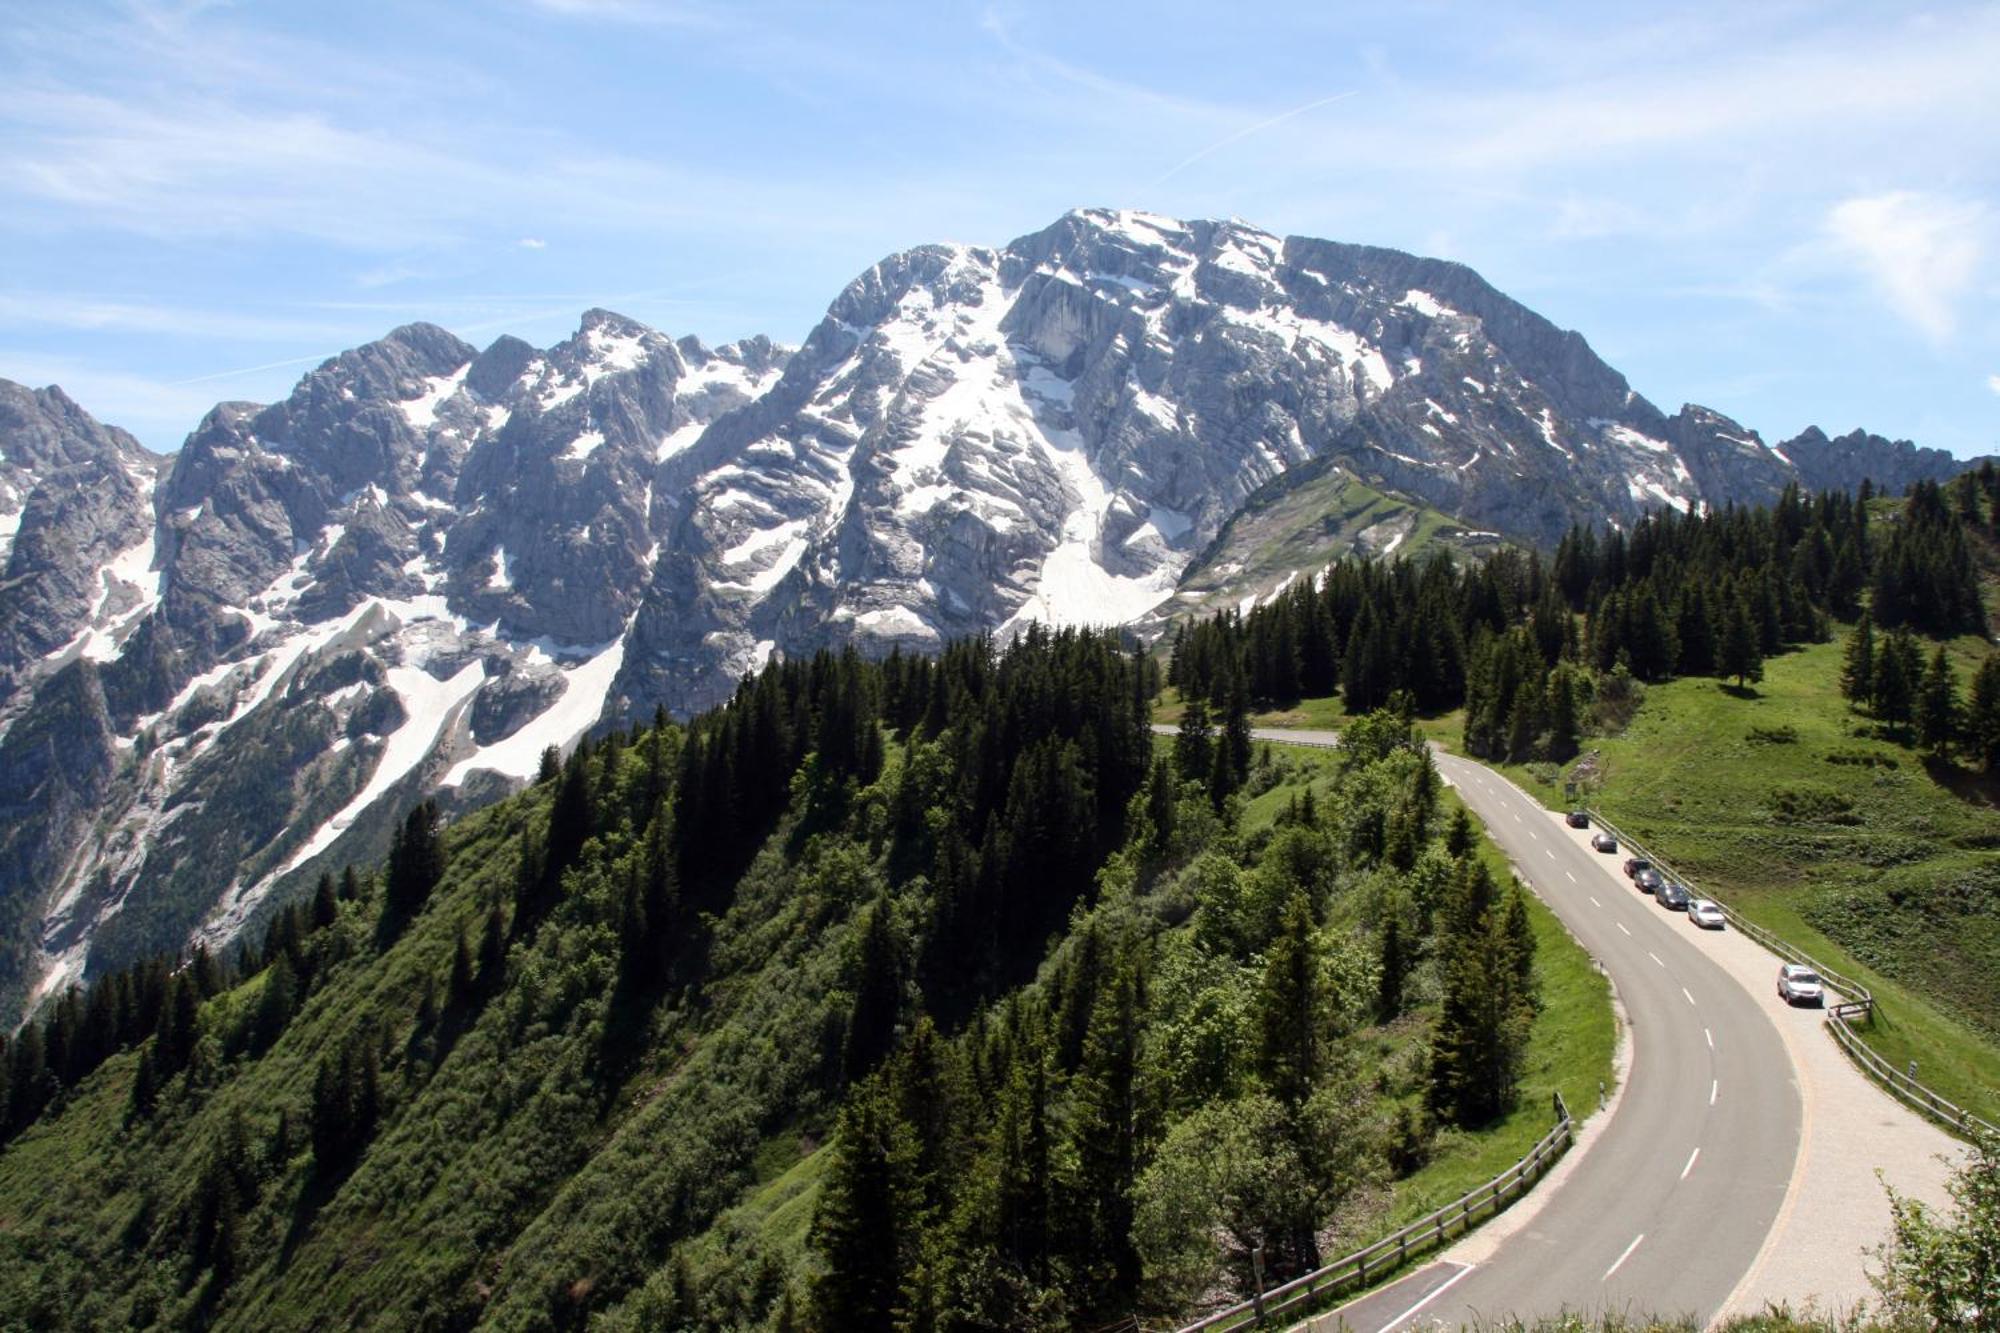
(414, 572)
(221, 671)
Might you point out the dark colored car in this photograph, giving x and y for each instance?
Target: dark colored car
(1648, 880)
(1672, 897)
(1634, 864)
(1604, 842)
(1578, 819)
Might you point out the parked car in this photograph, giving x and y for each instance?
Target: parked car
(1672, 897)
(1635, 864)
(1603, 842)
(1648, 880)
(1706, 914)
(1799, 984)
(1578, 819)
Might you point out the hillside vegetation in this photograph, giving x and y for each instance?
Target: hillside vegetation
(1797, 705)
(921, 993)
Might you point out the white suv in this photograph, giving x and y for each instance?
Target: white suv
(1799, 984)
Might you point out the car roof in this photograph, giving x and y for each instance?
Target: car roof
(1794, 969)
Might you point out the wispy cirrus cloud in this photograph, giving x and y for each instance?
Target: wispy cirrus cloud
(1920, 252)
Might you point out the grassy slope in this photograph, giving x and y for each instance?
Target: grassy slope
(1897, 887)
(1304, 520)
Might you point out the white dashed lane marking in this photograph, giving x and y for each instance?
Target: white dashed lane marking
(1690, 1166)
(1655, 957)
(1623, 1257)
(1690, 996)
(1621, 926)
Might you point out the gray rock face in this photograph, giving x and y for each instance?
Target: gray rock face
(416, 569)
(429, 561)
(1843, 463)
(1050, 430)
(74, 496)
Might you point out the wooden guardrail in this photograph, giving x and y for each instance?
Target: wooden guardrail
(1840, 1018)
(1901, 1084)
(1392, 1251)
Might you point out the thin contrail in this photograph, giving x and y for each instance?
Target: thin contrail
(250, 370)
(1261, 125)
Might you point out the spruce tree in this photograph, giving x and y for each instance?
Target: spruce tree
(862, 1223)
(1104, 1141)
(1897, 675)
(1982, 721)
(1395, 962)
(1288, 1008)
(1192, 743)
(1857, 669)
(878, 994)
(1739, 654)
(1937, 706)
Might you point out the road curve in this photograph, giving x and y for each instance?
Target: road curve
(1670, 1206)
(1668, 1209)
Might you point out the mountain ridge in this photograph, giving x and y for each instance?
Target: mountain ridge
(431, 560)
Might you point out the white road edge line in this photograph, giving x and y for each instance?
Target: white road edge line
(1684, 991)
(1690, 1166)
(1442, 1288)
(1623, 1257)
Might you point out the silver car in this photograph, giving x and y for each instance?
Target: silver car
(1799, 984)
(1704, 913)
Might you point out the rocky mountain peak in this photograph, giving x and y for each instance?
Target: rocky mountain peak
(428, 562)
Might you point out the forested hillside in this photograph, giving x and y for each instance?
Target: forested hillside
(1535, 650)
(917, 993)
(1799, 705)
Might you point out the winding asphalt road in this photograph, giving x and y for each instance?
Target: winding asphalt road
(1666, 1211)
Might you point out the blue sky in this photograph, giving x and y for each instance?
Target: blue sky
(1788, 212)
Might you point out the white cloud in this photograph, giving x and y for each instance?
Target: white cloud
(532, 243)
(1993, 383)
(1921, 252)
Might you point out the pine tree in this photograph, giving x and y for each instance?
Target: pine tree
(1288, 1008)
(1105, 1141)
(1485, 1011)
(861, 1225)
(1937, 706)
(276, 1005)
(1857, 670)
(1739, 653)
(1395, 966)
(416, 860)
(464, 976)
(325, 903)
(878, 995)
(493, 948)
(1982, 721)
(1192, 743)
(1565, 732)
(1897, 674)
